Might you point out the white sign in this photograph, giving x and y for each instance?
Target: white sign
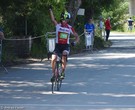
(51, 44)
(81, 11)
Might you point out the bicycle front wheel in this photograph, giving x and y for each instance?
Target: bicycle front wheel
(59, 83)
(53, 86)
(56, 84)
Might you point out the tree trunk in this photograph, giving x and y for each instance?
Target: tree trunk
(89, 12)
(73, 8)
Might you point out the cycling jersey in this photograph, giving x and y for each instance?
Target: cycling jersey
(63, 33)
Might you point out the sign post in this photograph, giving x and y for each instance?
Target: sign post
(81, 11)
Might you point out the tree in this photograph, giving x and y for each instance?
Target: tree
(28, 17)
(94, 8)
(73, 7)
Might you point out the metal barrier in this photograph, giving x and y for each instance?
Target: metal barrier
(1, 57)
(50, 37)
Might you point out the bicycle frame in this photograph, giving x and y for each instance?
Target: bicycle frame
(58, 66)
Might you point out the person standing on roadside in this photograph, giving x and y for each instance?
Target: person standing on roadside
(89, 30)
(130, 24)
(107, 28)
(101, 27)
(89, 27)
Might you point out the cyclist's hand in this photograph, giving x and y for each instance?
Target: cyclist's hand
(73, 43)
(86, 33)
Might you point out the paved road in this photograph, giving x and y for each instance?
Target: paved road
(104, 80)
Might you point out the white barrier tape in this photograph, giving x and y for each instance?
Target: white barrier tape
(51, 33)
(26, 38)
(81, 35)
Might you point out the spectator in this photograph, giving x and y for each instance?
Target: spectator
(107, 28)
(101, 27)
(89, 29)
(130, 24)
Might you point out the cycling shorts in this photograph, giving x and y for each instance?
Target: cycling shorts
(59, 48)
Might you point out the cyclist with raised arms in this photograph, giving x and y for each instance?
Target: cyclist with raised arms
(63, 31)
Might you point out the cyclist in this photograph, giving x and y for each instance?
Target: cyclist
(63, 31)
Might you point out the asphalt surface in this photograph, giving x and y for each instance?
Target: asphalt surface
(104, 80)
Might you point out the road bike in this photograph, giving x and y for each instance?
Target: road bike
(57, 82)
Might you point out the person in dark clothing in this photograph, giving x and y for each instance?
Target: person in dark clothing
(107, 28)
(130, 24)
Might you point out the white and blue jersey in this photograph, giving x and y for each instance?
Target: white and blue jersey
(89, 27)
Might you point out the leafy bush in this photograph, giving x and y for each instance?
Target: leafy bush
(98, 42)
(38, 50)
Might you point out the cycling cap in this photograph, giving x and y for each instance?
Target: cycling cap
(65, 15)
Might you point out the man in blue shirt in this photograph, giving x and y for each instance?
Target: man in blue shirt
(89, 27)
(89, 30)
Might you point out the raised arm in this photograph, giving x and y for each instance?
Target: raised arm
(52, 17)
